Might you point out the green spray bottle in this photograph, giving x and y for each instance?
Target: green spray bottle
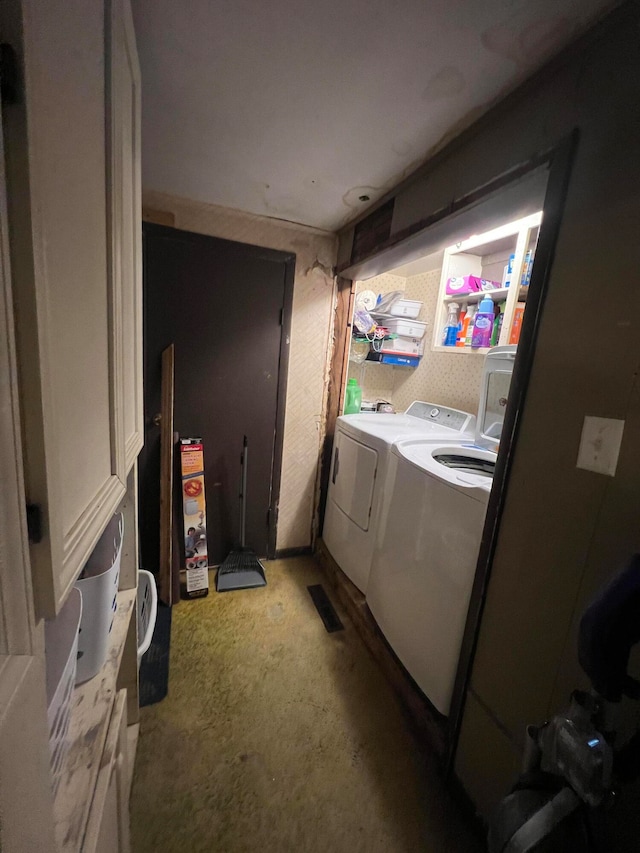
(497, 325)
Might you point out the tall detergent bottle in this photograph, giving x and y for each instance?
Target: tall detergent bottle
(483, 324)
(352, 398)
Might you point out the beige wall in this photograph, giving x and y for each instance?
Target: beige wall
(449, 380)
(563, 529)
(443, 378)
(315, 252)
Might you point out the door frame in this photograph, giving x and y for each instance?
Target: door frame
(288, 260)
(559, 160)
(19, 633)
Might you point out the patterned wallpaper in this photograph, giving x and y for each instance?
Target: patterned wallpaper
(448, 379)
(382, 283)
(313, 298)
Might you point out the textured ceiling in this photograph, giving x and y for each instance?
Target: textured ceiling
(295, 110)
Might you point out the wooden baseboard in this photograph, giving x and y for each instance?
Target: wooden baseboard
(430, 728)
(284, 553)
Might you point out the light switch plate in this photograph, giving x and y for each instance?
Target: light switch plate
(600, 445)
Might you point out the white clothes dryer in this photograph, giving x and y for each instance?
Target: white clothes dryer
(358, 468)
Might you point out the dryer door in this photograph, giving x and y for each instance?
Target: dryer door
(353, 477)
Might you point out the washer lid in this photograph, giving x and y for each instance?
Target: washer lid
(465, 467)
(463, 462)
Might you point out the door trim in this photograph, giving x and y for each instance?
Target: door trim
(559, 160)
(281, 404)
(288, 260)
(341, 337)
(560, 164)
(17, 618)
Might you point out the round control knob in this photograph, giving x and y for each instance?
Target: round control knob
(434, 413)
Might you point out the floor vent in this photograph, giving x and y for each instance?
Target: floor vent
(325, 608)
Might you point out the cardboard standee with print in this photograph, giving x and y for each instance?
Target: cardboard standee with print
(194, 512)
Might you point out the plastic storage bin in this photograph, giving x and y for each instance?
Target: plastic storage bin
(405, 327)
(61, 650)
(98, 584)
(408, 346)
(147, 612)
(406, 308)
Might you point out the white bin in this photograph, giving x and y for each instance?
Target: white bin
(61, 650)
(98, 584)
(408, 346)
(406, 308)
(405, 327)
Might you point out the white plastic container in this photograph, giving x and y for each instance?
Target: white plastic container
(99, 587)
(408, 346)
(61, 653)
(406, 308)
(147, 610)
(406, 328)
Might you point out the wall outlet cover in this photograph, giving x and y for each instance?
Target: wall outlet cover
(600, 445)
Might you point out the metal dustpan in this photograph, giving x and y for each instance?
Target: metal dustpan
(241, 568)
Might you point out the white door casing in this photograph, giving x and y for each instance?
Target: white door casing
(26, 801)
(18, 633)
(125, 219)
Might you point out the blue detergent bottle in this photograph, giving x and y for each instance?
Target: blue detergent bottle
(483, 323)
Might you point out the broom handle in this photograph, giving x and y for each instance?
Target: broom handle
(243, 493)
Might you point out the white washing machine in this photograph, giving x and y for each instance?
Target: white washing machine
(430, 526)
(360, 454)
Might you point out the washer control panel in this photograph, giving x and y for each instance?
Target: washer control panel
(440, 415)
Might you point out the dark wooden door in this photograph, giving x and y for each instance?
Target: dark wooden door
(226, 307)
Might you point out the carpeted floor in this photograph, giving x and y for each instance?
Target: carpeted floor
(277, 736)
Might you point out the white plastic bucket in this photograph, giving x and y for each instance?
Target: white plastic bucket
(61, 648)
(98, 584)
